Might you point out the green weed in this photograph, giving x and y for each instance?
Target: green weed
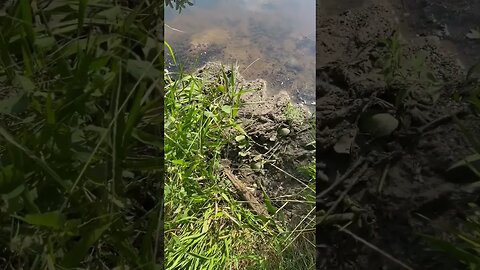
(466, 249)
(407, 76)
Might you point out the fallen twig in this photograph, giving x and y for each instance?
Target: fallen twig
(174, 29)
(375, 248)
(384, 176)
(439, 121)
(344, 193)
(341, 179)
(244, 191)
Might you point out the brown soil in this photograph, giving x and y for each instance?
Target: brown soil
(392, 189)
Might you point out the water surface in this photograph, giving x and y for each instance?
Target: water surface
(269, 39)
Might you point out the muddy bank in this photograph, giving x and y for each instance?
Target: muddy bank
(385, 138)
(277, 145)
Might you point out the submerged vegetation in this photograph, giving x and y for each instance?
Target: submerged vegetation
(80, 135)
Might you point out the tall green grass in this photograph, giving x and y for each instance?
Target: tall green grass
(80, 135)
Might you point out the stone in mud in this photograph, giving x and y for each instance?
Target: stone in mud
(283, 131)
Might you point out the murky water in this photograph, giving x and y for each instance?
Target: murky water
(269, 39)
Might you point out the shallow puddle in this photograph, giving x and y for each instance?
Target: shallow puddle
(269, 39)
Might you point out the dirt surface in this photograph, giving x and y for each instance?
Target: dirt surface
(450, 21)
(267, 159)
(387, 188)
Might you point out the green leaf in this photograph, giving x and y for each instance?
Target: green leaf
(153, 163)
(14, 193)
(171, 52)
(227, 109)
(14, 104)
(466, 161)
(474, 71)
(26, 17)
(54, 219)
(9, 179)
(111, 14)
(452, 250)
(25, 83)
(148, 138)
(268, 203)
(45, 43)
(72, 47)
(142, 69)
(36, 159)
(208, 114)
(179, 162)
(79, 251)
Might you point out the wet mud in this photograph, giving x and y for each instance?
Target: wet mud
(279, 143)
(390, 184)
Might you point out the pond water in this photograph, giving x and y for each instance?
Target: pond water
(269, 39)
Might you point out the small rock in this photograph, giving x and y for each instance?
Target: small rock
(284, 131)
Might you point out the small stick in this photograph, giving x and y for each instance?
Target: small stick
(247, 194)
(174, 29)
(439, 121)
(250, 65)
(341, 179)
(375, 248)
(293, 177)
(344, 193)
(336, 218)
(384, 176)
